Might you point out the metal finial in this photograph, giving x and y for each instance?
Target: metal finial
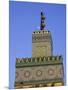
(42, 26)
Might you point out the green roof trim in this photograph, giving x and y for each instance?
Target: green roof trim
(39, 60)
(40, 31)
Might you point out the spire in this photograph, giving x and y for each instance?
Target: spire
(42, 25)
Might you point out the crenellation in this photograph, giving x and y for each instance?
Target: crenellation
(41, 32)
(39, 59)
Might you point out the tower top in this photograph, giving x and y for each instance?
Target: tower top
(42, 24)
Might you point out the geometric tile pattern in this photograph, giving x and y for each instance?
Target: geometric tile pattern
(39, 73)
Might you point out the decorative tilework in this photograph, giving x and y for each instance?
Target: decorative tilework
(39, 73)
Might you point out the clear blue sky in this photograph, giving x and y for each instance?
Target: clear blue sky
(24, 19)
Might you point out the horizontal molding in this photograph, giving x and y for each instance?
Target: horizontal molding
(34, 65)
(41, 81)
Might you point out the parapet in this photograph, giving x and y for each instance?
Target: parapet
(39, 60)
(41, 32)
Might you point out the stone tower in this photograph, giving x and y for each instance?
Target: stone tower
(43, 69)
(41, 41)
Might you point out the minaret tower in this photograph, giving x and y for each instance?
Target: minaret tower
(41, 40)
(43, 68)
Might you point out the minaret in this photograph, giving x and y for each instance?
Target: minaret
(41, 40)
(43, 69)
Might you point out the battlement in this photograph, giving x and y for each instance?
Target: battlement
(41, 36)
(41, 32)
(40, 59)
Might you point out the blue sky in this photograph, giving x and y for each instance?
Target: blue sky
(24, 18)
